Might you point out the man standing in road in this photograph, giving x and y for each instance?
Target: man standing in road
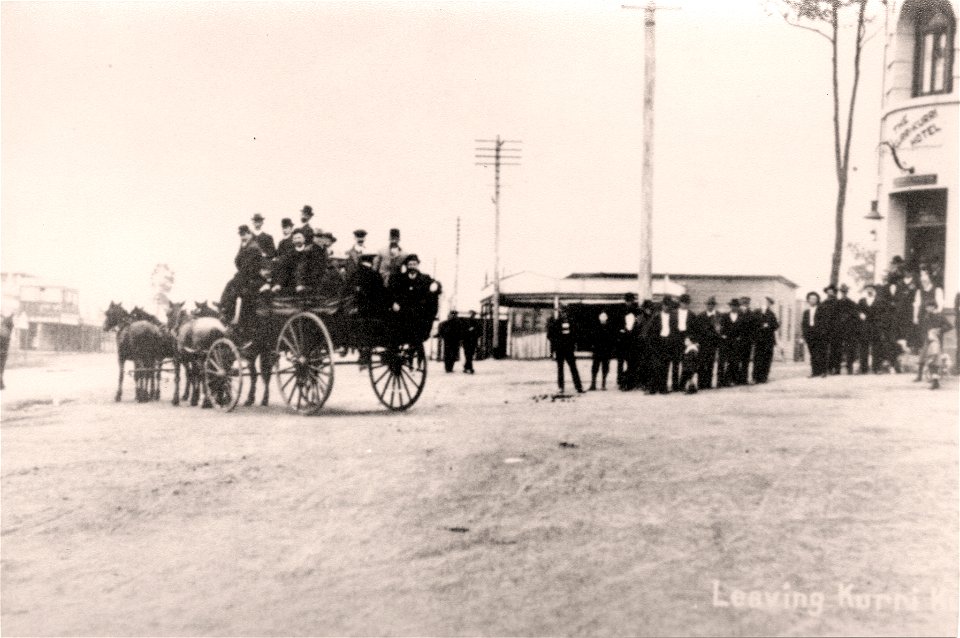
(470, 331)
(449, 332)
(814, 329)
(562, 335)
(709, 331)
(765, 332)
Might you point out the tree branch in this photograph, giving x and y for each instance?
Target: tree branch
(803, 26)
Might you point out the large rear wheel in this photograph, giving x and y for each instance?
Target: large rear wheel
(223, 374)
(305, 363)
(398, 375)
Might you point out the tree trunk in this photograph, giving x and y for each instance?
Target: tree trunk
(838, 239)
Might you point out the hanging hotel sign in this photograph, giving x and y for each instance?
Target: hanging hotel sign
(914, 180)
(916, 131)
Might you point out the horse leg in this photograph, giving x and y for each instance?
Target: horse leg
(207, 403)
(186, 376)
(120, 382)
(194, 377)
(252, 368)
(176, 381)
(3, 364)
(266, 368)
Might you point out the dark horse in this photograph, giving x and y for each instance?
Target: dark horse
(143, 342)
(257, 339)
(6, 329)
(194, 336)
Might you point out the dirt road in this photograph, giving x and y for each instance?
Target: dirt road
(801, 507)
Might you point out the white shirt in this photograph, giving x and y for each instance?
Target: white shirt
(629, 321)
(813, 311)
(682, 319)
(664, 324)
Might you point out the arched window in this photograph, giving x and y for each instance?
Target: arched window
(933, 57)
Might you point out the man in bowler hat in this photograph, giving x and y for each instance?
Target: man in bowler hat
(470, 332)
(263, 239)
(709, 332)
(765, 340)
(306, 214)
(449, 333)
(814, 328)
(285, 247)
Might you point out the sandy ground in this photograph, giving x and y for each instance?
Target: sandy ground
(483, 511)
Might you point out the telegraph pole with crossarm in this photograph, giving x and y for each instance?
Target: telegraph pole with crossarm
(497, 159)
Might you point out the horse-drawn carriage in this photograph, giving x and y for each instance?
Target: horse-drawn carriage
(305, 338)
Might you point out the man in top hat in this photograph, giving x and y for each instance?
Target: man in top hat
(414, 296)
(264, 240)
(285, 247)
(709, 331)
(306, 214)
(331, 279)
(470, 332)
(358, 248)
(814, 330)
(765, 340)
(389, 260)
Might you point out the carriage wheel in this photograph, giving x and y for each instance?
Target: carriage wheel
(223, 374)
(398, 375)
(305, 363)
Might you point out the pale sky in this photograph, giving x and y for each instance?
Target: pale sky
(138, 133)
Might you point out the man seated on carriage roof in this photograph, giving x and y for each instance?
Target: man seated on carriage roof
(415, 297)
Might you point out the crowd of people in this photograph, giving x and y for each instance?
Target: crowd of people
(666, 347)
(904, 314)
(303, 263)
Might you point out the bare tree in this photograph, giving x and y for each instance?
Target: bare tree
(825, 18)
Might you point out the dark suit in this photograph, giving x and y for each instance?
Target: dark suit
(604, 343)
(709, 331)
(627, 346)
(265, 241)
(562, 336)
(308, 233)
(735, 331)
(677, 350)
(449, 332)
(765, 339)
(660, 348)
(418, 305)
(285, 248)
(871, 336)
(816, 337)
(470, 331)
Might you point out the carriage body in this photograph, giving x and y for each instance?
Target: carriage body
(313, 334)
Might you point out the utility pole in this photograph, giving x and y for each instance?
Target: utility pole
(645, 273)
(498, 156)
(456, 269)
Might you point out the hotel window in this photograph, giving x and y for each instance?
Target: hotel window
(933, 58)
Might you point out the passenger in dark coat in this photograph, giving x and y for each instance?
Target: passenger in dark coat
(285, 247)
(370, 297)
(470, 335)
(288, 264)
(563, 337)
(708, 331)
(765, 340)
(264, 240)
(449, 332)
(306, 214)
(414, 296)
(814, 327)
(603, 342)
(245, 284)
